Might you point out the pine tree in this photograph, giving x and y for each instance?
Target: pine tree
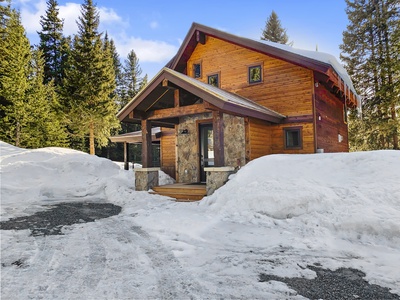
(44, 126)
(51, 43)
(118, 70)
(370, 52)
(132, 80)
(90, 82)
(14, 68)
(274, 31)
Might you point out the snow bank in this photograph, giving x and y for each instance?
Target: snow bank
(47, 175)
(356, 194)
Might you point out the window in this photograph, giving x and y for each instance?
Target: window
(293, 138)
(255, 74)
(197, 70)
(213, 80)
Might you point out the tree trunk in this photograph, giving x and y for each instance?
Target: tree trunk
(91, 139)
(18, 135)
(395, 134)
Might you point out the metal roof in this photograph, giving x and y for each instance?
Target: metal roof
(136, 136)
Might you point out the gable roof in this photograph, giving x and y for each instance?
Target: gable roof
(328, 69)
(221, 99)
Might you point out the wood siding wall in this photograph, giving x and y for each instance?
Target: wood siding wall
(286, 88)
(278, 143)
(168, 151)
(258, 139)
(330, 122)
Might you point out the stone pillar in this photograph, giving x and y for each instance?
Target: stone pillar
(217, 177)
(146, 178)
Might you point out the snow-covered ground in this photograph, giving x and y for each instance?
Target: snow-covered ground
(277, 215)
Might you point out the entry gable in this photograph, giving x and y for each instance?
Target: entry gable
(158, 100)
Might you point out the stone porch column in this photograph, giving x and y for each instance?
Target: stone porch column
(146, 178)
(217, 177)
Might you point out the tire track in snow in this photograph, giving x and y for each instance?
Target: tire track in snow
(14, 279)
(173, 281)
(111, 258)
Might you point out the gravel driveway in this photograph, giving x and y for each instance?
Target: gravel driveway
(343, 283)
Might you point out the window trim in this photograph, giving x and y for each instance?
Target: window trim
(255, 65)
(299, 129)
(218, 74)
(197, 62)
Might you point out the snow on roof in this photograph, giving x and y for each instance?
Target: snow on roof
(318, 56)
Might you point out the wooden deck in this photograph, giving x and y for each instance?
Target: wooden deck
(182, 192)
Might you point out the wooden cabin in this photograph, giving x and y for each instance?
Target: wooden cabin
(224, 100)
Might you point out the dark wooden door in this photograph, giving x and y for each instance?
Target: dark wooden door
(206, 149)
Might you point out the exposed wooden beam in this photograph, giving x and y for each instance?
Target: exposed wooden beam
(298, 119)
(170, 123)
(176, 98)
(200, 37)
(126, 156)
(176, 112)
(147, 159)
(218, 136)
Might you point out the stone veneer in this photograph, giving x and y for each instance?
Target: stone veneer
(235, 141)
(146, 178)
(217, 177)
(188, 149)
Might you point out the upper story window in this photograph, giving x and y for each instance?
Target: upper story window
(255, 74)
(197, 70)
(293, 138)
(213, 79)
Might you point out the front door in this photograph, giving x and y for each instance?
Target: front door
(206, 149)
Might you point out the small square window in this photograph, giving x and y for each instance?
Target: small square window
(213, 80)
(293, 138)
(197, 70)
(255, 75)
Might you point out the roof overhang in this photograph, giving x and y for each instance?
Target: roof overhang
(135, 137)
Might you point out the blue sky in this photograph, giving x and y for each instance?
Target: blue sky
(155, 29)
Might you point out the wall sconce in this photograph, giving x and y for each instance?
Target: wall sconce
(184, 131)
(316, 84)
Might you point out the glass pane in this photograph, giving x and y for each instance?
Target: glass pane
(292, 138)
(210, 147)
(213, 80)
(255, 74)
(197, 70)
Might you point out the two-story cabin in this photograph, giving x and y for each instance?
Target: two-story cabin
(224, 100)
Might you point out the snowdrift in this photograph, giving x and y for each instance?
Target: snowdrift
(357, 194)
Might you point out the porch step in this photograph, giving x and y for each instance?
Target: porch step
(182, 192)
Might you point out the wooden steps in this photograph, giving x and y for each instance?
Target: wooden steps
(182, 192)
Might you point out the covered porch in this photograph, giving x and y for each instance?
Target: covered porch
(200, 120)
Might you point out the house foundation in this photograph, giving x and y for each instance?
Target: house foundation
(146, 178)
(217, 177)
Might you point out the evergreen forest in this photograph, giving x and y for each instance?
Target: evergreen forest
(67, 90)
